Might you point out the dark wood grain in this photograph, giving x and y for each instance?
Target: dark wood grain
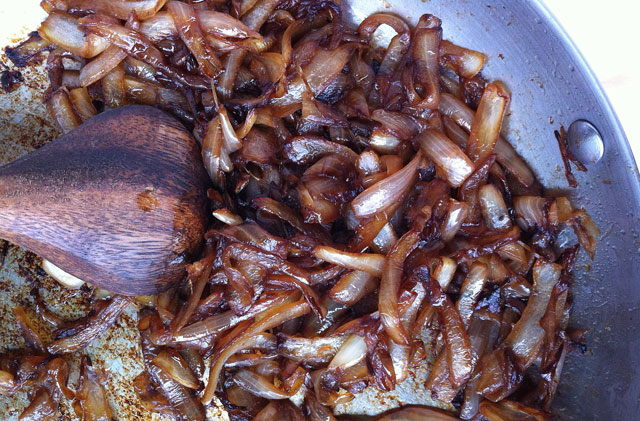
(118, 202)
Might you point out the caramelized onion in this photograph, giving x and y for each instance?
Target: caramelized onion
(447, 155)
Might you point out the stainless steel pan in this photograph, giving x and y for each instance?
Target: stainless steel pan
(551, 85)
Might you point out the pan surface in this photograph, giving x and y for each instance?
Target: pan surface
(550, 84)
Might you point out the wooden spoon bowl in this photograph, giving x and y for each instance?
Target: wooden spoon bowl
(118, 202)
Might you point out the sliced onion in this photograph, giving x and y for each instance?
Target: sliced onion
(387, 192)
(97, 68)
(143, 9)
(366, 262)
(95, 326)
(401, 125)
(456, 215)
(314, 351)
(446, 155)
(81, 102)
(494, 209)
(273, 318)
(460, 358)
(306, 149)
(530, 211)
(372, 22)
(173, 364)
(61, 111)
(506, 155)
(470, 291)
(186, 22)
(66, 32)
(352, 351)
(253, 234)
(444, 271)
(426, 53)
(226, 216)
(161, 26)
(486, 125)
(416, 413)
(325, 66)
(259, 386)
(467, 63)
(390, 285)
(352, 287)
(525, 339)
(61, 276)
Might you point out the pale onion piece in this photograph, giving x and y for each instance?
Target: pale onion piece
(366, 262)
(385, 239)
(258, 385)
(61, 276)
(446, 155)
(527, 335)
(467, 63)
(227, 217)
(66, 32)
(494, 209)
(530, 211)
(306, 149)
(326, 65)
(352, 287)
(386, 192)
(456, 215)
(372, 22)
(470, 291)
(368, 163)
(352, 351)
(383, 142)
(444, 271)
(487, 122)
(426, 55)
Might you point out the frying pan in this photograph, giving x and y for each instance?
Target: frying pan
(551, 85)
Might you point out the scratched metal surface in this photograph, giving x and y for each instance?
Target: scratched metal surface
(551, 85)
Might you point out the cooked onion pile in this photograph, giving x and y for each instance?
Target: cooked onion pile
(366, 212)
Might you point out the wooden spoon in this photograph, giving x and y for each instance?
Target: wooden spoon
(118, 202)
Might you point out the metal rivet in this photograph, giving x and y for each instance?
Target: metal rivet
(585, 142)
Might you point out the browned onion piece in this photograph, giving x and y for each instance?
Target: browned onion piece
(185, 19)
(372, 22)
(273, 318)
(426, 53)
(494, 209)
(325, 66)
(470, 291)
(401, 354)
(467, 63)
(26, 329)
(390, 284)
(352, 351)
(161, 26)
(416, 413)
(82, 104)
(95, 326)
(458, 111)
(447, 155)
(259, 386)
(382, 195)
(41, 407)
(252, 234)
(525, 339)
(485, 128)
(8, 385)
(173, 364)
(308, 293)
(366, 262)
(61, 111)
(401, 125)
(509, 410)
(91, 394)
(459, 355)
(100, 66)
(561, 212)
(65, 31)
(144, 9)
